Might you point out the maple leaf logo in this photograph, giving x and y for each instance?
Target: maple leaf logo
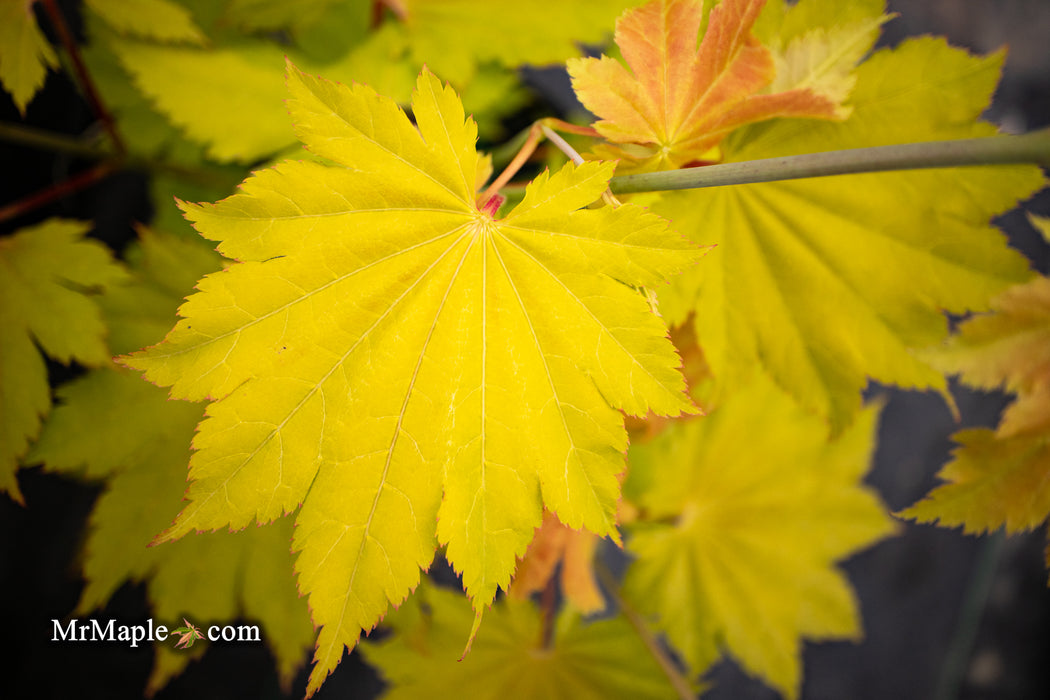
(187, 635)
(389, 355)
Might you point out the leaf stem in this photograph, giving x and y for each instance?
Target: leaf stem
(548, 604)
(56, 191)
(1033, 147)
(679, 682)
(50, 141)
(522, 157)
(83, 76)
(539, 128)
(562, 144)
(960, 648)
(61, 143)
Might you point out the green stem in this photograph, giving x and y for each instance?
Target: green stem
(49, 141)
(61, 143)
(82, 74)
(997, 150)
(679, 682)
(960, 649)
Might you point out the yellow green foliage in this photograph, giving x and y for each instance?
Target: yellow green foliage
(25, 54)
(50, 276)
(401, 364)
(1000, 478)
(511, 657)
(162, 20)
(394, 357)
(110, 425)
(829, 282)
(742, 515)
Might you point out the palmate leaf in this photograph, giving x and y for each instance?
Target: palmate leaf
(742, 516)
(830, 281)
(403, 364)
(604, 660)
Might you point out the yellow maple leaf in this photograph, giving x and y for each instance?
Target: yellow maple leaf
(741, 518)
(404, 364)
(680, 100)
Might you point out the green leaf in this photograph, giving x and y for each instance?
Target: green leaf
(226, 97)
(25, 55)
(111, 425)
(389, 355)
(594, 661)
(742, 515)
(161, 20)
(828, 282)
(271, 15)
(538, 33)
(48, 275)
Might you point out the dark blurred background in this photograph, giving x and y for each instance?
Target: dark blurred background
(946, 615)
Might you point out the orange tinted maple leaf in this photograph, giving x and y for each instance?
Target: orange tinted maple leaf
(556, 542)
(1002, 477)
(681, 100)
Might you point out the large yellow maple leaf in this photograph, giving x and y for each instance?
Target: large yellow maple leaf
(678, 99)
(403, 364)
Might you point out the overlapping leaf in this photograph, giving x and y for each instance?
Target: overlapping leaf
(111, 425)
(1002, 477)
(680, 100)
(403, 364)
(569, 551)
(742, 515)
(603, 660)
(210, 92)
(25, 54)
(541, 32)
(828, 282)
(49, 278)
(162, 20)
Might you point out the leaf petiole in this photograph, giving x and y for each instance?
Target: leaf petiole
(679, 682)
(539, 129)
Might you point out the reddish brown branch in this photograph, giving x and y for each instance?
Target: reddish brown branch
(83, 77)
(56, 191)
(548, 604)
